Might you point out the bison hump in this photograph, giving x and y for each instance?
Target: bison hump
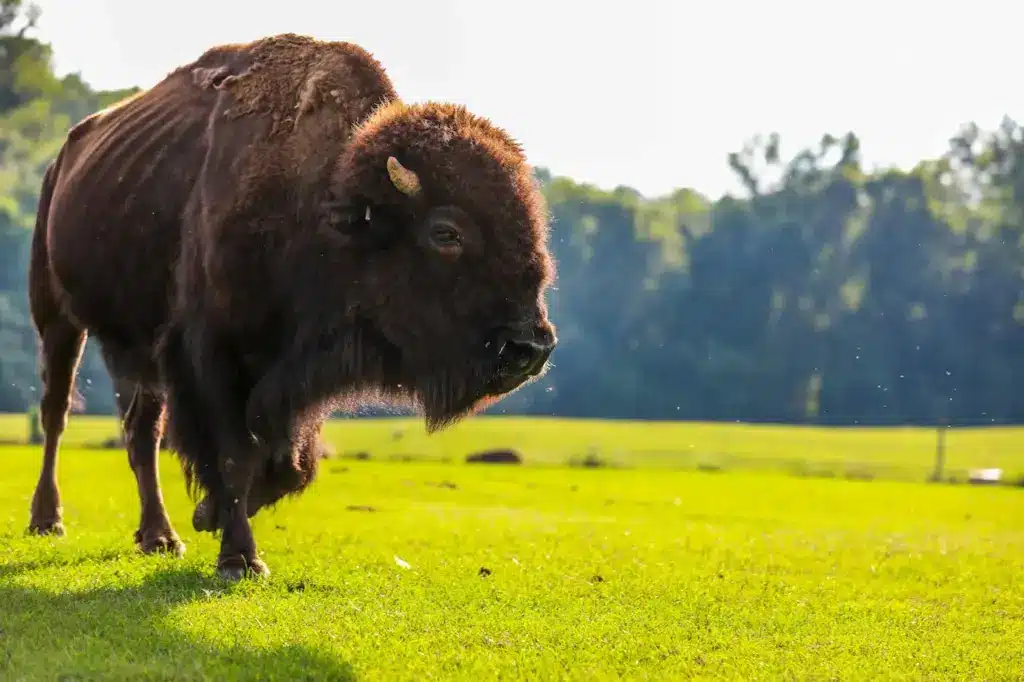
(287, 77)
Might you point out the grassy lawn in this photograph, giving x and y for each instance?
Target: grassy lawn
(431, 570)
(889, 453)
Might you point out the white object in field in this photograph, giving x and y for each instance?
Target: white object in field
(986, 475)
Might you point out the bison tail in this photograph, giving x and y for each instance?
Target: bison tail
(42, 297)
(44, 303)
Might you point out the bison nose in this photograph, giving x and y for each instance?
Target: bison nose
(526, 356)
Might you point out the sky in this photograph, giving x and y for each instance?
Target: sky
(652, 94)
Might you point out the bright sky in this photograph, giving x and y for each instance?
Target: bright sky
(648, 93)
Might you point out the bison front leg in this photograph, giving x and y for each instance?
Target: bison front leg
(227, 475)
(238, 554)
(273, 482)
(288, 476)
(259, 477)
(205, 410)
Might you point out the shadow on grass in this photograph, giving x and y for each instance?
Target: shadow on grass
(113, 633)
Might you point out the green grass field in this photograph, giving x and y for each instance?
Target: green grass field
(428, 569)
(887, 453)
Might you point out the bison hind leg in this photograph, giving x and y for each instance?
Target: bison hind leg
(142, 414)
(62, 345)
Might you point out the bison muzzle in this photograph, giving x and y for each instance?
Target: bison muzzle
(268, 235)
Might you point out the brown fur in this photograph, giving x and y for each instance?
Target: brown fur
(233, 240)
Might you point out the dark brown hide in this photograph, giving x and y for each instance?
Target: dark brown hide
(269, 234)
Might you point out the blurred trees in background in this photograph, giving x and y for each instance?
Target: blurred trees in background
(825, 294)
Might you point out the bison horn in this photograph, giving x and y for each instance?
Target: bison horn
(403, 178)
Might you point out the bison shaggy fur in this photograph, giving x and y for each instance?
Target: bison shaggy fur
(265, 236)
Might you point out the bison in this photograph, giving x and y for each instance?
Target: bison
(265, 236)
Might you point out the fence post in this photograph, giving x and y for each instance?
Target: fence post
(940, 453)
(35, 433)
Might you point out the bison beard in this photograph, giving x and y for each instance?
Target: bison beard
(267, 235)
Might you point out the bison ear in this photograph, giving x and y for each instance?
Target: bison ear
(405, 180)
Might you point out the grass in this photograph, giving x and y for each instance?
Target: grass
(610, 573)
(889, 453)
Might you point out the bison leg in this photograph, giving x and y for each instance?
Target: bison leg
(207, 429)
(288, 477)
(274, 482)
(62, 345)
(238, 554)
(142, 413)
(250, 481)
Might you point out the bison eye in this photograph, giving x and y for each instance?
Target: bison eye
(445, 236)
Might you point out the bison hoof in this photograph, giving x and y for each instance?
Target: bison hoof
(51, 527)
(204, 518)
(235, 568)
(164, 541)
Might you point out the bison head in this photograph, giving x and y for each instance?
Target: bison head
(450, 232)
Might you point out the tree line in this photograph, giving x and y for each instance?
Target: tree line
(825, 293)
